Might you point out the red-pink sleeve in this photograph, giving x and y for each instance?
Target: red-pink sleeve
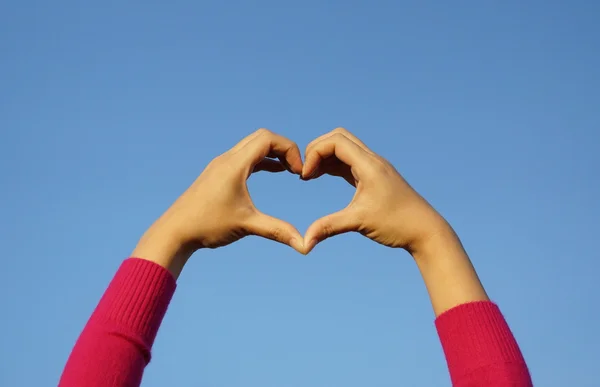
(115, 344)
(480, 349)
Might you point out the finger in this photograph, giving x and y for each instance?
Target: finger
(246, 140)
(333, 167)
(269, 165)
(268, 143)
(282, 160)
(337, 223)
(343, 131)
(352, 137)
(337, 145)
(275, 229)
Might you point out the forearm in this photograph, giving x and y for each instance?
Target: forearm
(115, 344)
(160, 245)
(448, 273)
(479, 346)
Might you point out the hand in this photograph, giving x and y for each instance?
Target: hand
(384, 208)
(217, 210)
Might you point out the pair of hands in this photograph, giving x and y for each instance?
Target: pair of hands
(217, 210)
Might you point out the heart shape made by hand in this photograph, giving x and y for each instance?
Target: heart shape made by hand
(317, 167)
(217, 209)
(384, 206)
(295, 200)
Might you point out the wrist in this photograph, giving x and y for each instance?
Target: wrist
(439, 242)
(163, 248)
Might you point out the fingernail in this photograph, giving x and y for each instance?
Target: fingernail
(312, 174)
(311, 244)
(287, 166)
(297, 244)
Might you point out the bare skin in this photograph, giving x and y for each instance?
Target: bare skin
(217, 210)
(386, 209)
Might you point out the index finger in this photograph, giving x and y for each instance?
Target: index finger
(339, 130)
(270, 144)
(338, 145)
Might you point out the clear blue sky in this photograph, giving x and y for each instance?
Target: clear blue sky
(490, 109)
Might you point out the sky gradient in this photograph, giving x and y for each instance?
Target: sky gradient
(489, 109)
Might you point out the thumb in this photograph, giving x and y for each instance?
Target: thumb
(269, 227)
(337, 223)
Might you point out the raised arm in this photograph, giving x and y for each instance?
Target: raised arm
(114, 347)
(479, 346)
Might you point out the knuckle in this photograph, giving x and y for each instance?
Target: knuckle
(221, 159)
(227, 158)
(380, 162)
(263, 131)
(381, 166)
(340, 130)
(338, 136)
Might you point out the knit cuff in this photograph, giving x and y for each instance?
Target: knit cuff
(476, 335)
(136, 300)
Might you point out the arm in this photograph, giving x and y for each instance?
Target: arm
(115, 344)
(479, 346)
(114, 347)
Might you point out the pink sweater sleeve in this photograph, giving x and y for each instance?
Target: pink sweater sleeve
(480, 349)
(114, 347)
